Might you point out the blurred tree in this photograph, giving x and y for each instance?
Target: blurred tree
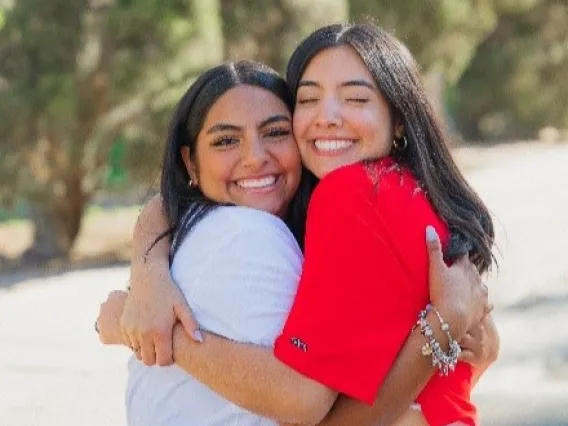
(76, 75)
(269, 30)
(516, 83)
(441, 34)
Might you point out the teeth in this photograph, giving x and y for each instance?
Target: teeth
(332, 145)
(257, 183)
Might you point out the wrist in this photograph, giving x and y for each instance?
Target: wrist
(456, 318)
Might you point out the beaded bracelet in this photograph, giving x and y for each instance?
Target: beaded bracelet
(445, 363)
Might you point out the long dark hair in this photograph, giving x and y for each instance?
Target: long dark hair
(185, 205)
(397, 77)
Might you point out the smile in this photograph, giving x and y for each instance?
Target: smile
(332, 146)
(257, 183)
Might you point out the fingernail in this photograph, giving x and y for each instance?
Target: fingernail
(198, 336)
(431, 234)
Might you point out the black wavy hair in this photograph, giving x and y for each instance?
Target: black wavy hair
(398, 79)
(185, 205)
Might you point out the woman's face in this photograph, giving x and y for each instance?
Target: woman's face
(246, 154)
(340, 116)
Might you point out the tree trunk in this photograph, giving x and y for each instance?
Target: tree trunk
(57, 222)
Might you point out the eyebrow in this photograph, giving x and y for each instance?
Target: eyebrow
(223, 127)
(360, 82)
(273, 119)
(348, 83)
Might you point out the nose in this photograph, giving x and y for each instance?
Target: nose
(329, 113)
(255, 154)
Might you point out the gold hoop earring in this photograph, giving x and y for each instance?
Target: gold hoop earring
(397, 146)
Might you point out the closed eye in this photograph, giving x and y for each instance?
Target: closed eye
(358, 100)
(306, 101)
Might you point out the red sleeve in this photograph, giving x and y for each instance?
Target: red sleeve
(356, 302)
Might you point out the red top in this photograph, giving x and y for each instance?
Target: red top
(364, 280)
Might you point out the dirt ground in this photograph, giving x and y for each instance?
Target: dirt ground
(54, 372)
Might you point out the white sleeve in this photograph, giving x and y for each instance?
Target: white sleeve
(247, 278)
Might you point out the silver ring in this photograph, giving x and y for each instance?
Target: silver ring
(97, 327)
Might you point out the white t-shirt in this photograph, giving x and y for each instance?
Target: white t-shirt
(239, 269)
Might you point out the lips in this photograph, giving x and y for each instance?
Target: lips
(331, 146)
(257, 183)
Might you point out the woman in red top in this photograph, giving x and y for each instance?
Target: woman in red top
(365, 128)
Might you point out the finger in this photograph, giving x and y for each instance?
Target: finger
(148, 351)
(434, 246)
(487, 313)
(127, 339)
(466, 355)
(137, 353)
(467, 342)
(164, 349)
(183, 314)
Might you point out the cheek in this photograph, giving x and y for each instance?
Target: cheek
(301, 121)
(215, 173)
(373, 129)
(290, 160)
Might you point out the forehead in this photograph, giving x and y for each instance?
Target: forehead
(337, 65)
(243, 105)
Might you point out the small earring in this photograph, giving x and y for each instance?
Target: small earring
(397, 146)
(192, 183)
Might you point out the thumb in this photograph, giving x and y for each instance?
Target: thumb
(434, 246)
(184, 316)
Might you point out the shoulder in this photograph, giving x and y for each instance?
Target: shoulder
(364, 184)
(345, 186)
(343, 179)
(238, 220)
(228, 228)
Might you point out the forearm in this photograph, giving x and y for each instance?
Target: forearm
(252, 378)
(407, 377)
(150, 225)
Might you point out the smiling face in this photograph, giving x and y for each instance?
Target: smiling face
(340, 116)
(245, 153)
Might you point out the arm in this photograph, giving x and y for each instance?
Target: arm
(154, 302)
(253, 378)
(256, 380)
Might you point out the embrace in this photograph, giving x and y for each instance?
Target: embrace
(314, 256)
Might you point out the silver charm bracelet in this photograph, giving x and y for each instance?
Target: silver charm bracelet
(444, 362)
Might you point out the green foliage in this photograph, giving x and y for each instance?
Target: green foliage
(269, 30)
(441, 34)
(516, 83)
(77, 75)
(86, 87)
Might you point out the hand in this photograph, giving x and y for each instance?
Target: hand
(480, 346)
(456, 291)
(150, 312)
(108, 321)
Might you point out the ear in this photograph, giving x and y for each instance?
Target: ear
(189, 165)
(398, 129)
